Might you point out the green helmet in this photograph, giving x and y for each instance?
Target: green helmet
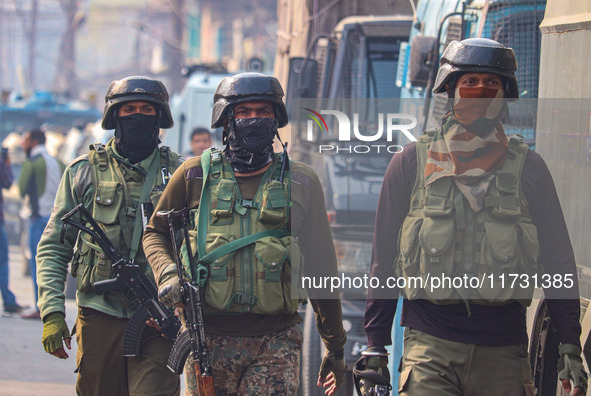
(136, 88)
(247, 87)
(478, 55)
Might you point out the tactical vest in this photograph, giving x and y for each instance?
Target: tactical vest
(442, 237)
(117, 212)
(260, 276)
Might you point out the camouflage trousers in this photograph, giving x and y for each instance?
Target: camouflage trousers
(261, 365)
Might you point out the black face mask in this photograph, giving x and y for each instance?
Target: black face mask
(250, 143)
(136, 136)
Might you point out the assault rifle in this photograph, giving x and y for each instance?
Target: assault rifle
(130, 278)
(192, 339)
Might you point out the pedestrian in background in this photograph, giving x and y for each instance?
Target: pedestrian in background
(200, 141)
(8, 299)
(38, 183)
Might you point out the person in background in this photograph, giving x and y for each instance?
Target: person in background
(200, 141)
(38, 183)
(8, 298)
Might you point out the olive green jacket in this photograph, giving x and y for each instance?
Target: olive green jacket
(53, 257)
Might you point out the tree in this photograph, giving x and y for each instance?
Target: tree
(65, 80)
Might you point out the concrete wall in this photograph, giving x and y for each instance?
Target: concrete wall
(563, 137)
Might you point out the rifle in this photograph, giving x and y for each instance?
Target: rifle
(130, 278)
(192, 339)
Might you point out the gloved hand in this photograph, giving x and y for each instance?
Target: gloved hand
(332, 371)
(373, 359)
(570, 367)
(55, 329)
(169, 292)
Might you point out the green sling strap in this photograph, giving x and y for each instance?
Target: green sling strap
(137, 226)
(240, 243)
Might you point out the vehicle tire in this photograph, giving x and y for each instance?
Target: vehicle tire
(312, 352)
(544, 354)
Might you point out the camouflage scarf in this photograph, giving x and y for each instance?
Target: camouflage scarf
(469, 159)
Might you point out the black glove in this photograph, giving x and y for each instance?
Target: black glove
(371, 374)
(570, 366)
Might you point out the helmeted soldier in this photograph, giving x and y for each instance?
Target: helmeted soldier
(112, 181)
(250, 302)
(469, 203)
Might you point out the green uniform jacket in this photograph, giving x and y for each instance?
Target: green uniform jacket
(53, 257)
(308, 222)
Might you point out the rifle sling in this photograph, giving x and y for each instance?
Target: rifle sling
(240, 243)
(146, 189)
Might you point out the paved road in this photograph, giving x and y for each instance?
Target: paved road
(25, 368)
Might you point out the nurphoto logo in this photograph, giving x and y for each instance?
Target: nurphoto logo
(390, 127)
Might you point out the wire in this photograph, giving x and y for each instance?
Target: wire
(414, 9)
(297, 33)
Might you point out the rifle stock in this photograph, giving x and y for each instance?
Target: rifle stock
(128, 276)
(192, 340)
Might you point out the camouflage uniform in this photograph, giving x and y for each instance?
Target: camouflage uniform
(269, 362)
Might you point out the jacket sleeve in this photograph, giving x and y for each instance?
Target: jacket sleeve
(314, 236)
(157, 240)
(53, 256)
(393, 206)
(25, 177)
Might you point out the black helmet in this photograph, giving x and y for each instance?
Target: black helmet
(478, 55)
(247, 87)
(136, 88)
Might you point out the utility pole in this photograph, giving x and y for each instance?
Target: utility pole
(32, 41)
(2, 56)
(176, 62)
(137, 46)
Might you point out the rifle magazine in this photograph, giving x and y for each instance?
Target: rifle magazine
(179, 352)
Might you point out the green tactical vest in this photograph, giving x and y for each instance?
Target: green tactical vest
(442, 237)
(260, 276)
(117, 213)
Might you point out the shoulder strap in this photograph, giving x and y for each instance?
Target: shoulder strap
(508, 179)
(99, 161)
(146, 189)
(168, 159)
(422, 147)
(98, 155)
(203, 202)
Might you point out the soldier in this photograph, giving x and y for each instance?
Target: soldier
(466, 201)
(111, 181)
(250, 317)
